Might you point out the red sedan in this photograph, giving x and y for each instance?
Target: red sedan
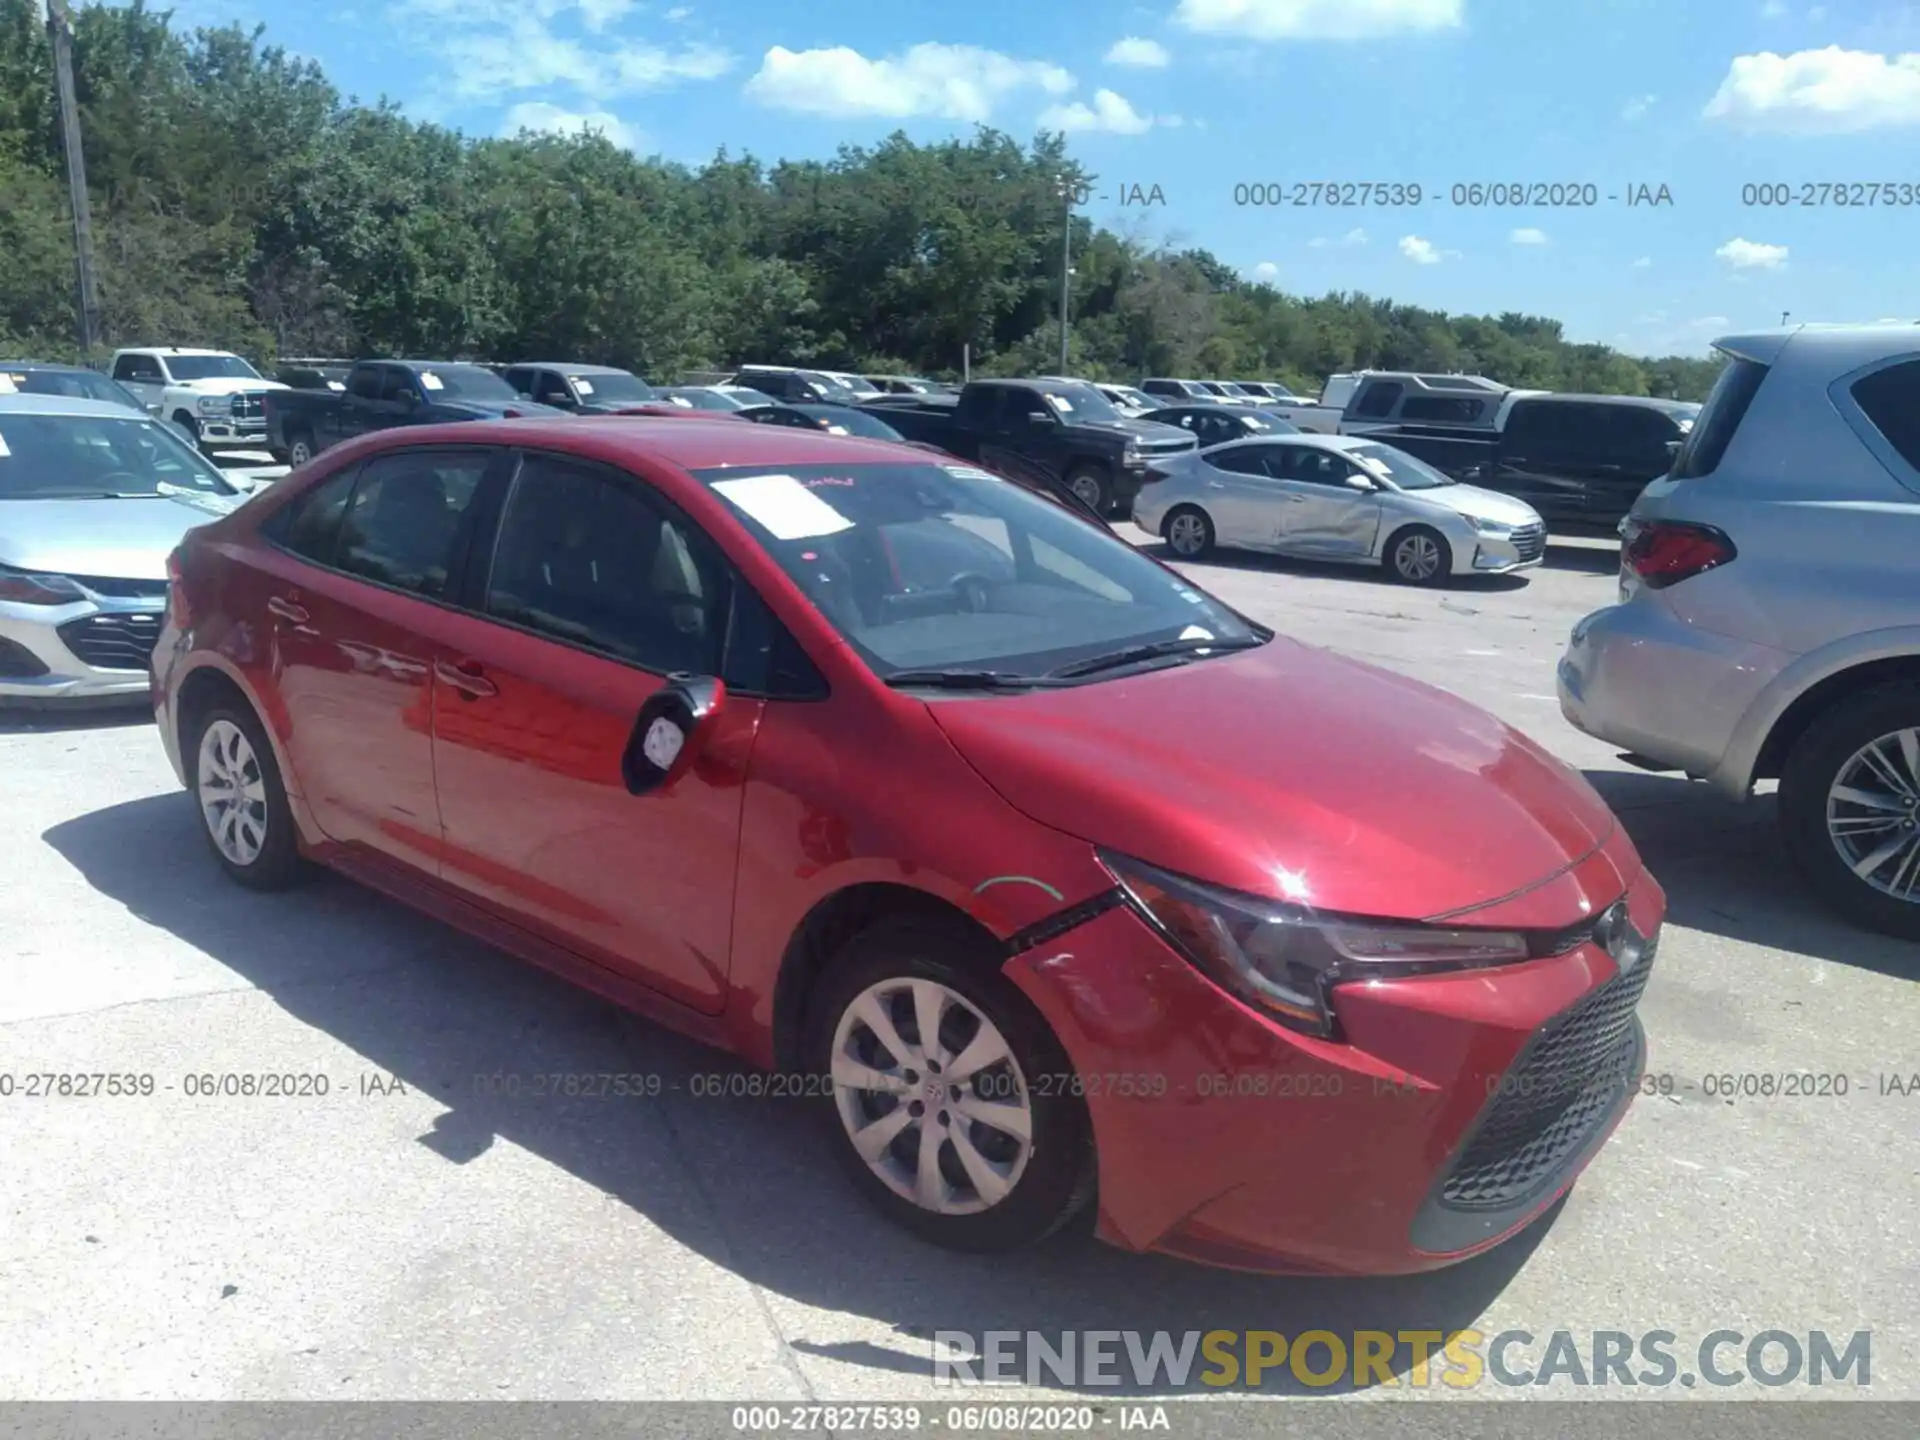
(1049, 875)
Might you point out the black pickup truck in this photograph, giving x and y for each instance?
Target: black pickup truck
(381, 394)
(1580, 460)
(1070, 431)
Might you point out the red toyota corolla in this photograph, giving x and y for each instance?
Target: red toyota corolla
(1054, 879)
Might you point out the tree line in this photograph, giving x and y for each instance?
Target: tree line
(241, 201)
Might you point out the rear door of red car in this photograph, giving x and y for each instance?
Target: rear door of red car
(595, 590)
(357, 598)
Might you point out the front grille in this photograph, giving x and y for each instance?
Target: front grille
(249, 407)
(1569, 1079)
(1530, 541)
(113, 642)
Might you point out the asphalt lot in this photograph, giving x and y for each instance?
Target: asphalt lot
(405, 1237)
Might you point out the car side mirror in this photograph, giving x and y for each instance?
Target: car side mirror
(1673, 449)
(672, 729)
(409, 399)
(1357, 481)
(1039, 417)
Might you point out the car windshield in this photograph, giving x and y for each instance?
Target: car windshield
(711, 399)
(851, 422)
(618, 388)
(210, 367)
(922, 566)
(826, 386)
(1080, 402)
(1398, 467)
(78, 457)
(858, 384)
(464, 382)
(80, 384)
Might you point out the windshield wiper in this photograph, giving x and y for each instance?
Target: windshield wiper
(1136, 654)
(967, 679)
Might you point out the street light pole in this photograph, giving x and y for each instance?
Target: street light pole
(86, 296)
(1069, 191)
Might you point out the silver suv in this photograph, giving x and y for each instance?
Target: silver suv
(1769, 616)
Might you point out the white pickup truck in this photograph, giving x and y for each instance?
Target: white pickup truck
(1370, 400)
(212, 393)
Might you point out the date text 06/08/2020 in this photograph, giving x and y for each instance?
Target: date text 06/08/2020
(1460, 195)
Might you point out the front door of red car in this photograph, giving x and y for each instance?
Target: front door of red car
(355, 635)
(596, 592)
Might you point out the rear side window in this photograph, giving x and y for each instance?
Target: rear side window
(311, 524)
(1890, 398)
(1378, 402)
(403, 524)
(1726, 407)
(365, 383)
(1452, 409)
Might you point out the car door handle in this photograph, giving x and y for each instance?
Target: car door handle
(465, 679)
(1216, 484)
(288, 610)
(1294, 499)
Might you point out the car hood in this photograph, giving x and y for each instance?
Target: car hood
(123, 539)
(1151, 435)
(1477, 504)
(495, 409)
(1293, 773)
(228, 385)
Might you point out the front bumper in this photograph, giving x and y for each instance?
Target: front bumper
(225, 430)
(1243, 1144)
(87, 652)
(1501, 554)
(1638, 676)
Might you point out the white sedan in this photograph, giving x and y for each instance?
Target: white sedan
(1342, 498)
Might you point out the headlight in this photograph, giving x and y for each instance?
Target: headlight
(34, 587)
(1286, 959)
(207, 404)
(1492, 527)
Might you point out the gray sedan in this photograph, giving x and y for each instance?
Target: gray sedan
(93, 498)
(1341, 498)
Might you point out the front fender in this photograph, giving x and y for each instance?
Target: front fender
(1734, 775)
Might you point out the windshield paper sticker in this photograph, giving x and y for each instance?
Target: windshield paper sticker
(4, 451)
(786, 507)
(431, 380)
(1060, 403)
(585, 387)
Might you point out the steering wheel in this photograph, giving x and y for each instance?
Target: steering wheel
(974, 591)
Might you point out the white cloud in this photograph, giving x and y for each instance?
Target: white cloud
(1319, 19)
(1423, 252)
(1645, 262)
(1773, 10)
(547, 119)
(596, 15)
(1266, 271)
(1346, 241)
(1637, 107)
(1527, 235)
(1830, 91)
(950, 82)
(1752, 255)
(523, 54)
(678, 13)
(1709, 322)
(1109, 114)
(1139, 54)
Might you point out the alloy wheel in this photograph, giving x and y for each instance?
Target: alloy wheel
(233, 793)
(1873, 814)
(1187, 534)
(1417, 557)
(1086, 489)
(298, 453)
(931, 1096)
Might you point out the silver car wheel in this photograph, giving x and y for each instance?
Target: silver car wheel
(233, 793)
(1417, 557)
(944, 1119)
(1187, 534)
(298, 453)
(1873, 814)
(1086, 490)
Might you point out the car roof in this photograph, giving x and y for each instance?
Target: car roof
(1654, 402)
(1842, 347)
(689, 442)
(569, 367)
(66, 405)
(168, 350)
(60, 365)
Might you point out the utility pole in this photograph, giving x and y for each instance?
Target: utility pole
(1784, 314)
(1070, 191)
(86, 295)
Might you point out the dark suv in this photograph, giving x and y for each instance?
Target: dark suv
(810, 387)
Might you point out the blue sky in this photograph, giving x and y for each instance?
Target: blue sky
(1200, 96)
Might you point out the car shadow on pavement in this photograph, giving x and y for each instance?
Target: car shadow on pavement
(22, 720)
(742, 1181)
(1582, 559)
(1726, 872)
(1330, 570)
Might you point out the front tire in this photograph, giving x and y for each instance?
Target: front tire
(975, 1142)
(299, 449)
(1090, 487)
(243, 803)
(1420, 555)
(1188, 532)
(1850, 809)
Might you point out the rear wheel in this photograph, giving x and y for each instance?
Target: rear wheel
(299, 449)
(243, 804)
(1850, 808)
(1188, 532)
(1420, 555)
(953, 1109)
